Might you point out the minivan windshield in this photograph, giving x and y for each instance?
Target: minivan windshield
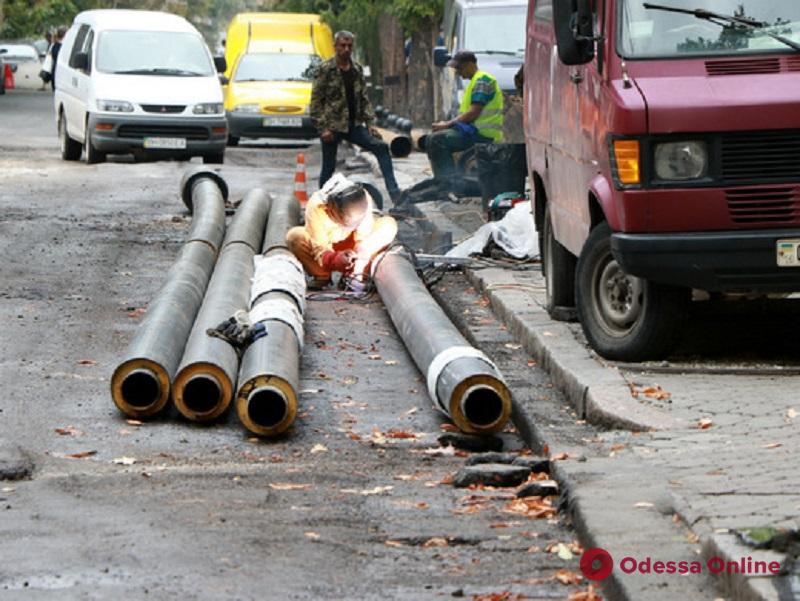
(153, 53)
(498, 30)
(276, 66)
(658, 32)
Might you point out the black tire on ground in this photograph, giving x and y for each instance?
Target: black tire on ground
(558, 268)
(214, 159)
(625, 318)
(70, 149)
(93, 155)
(233, 141)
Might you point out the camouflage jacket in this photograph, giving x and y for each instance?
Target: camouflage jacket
(329, 99)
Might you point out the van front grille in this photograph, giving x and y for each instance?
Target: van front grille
(163, 108)
(761, 156)
(148, 130)
(768, 206)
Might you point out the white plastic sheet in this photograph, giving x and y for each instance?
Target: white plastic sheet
(515, 233)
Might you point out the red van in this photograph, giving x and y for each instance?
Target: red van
(663, 143)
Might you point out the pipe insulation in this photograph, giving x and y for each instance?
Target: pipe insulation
(463, 383)
(140, 385)
(206, 379)
(269, 378)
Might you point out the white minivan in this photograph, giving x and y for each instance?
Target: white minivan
(142, 82)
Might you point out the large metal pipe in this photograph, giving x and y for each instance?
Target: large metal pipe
(269, 378)
(206, 379)
(419, 139)
(462, 382)
(399, 144)
(140, 385)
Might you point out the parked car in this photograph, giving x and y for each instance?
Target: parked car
(494, 30)
(138, 81)
(662, 146)
(24, 61)
(272, 60)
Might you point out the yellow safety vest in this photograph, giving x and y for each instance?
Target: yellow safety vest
(490, 121)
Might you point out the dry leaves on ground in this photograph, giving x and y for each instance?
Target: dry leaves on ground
(378, 490)
(791, 413)
(69, 431)
(288, 486)
(319, 448)
(531, 507)
(78, 455)
(394, 433)
(436, 541)
(124, 460)
(587, 595)
(568, 577)
(312, 535)
(504, 596)
(772, 445)
(87, 362)
(705, 424)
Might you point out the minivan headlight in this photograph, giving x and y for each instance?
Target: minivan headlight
(115, 106)
(247, 108)
(681, 161)
(207, 108)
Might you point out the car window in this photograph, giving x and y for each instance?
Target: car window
(153, 53)
(495, 30)
(77, 47)
(19, 52)
(276, 66)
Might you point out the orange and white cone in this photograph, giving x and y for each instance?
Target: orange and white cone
(300, 189)
(8, 77)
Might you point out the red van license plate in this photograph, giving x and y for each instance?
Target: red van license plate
(788, 253)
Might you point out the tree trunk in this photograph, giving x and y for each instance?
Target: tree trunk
(393, 63)
(421, 74)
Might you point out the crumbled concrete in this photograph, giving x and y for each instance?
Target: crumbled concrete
(490, 474)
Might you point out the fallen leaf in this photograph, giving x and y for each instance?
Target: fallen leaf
(643, 505)
(531, 363)
(617, 447)
(560, 457)
(80, 454)
(349, 380)
(353, 436)
(134, 422)
(401, 434)
(405, 477)
(136, 313)
(531, 507)
(567, 577)
(563, 552)
(436, 542)
(692, 538)
(587, 595)
(791, 414)
(394, 543)
(87, 362)
(378, 490)
(533, 549)
(411, 411)
(546, 450)
(513, 346)
(288, 486)
(319, 448)
(705, 424)
(124, 461)
(656, 392)
(312, 535)
(377, 437)
(469, 509)
(772, 445)
(69, 431)
(390, 362)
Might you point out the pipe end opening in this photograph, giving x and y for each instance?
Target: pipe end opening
(267, 407)
(483, 406)
(202, 394)
(141, 389)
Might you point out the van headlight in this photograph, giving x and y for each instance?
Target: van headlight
(247, 108)
(207, 108)
(681, 161)
(114, 106)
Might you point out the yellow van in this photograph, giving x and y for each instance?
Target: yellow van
(271, 61)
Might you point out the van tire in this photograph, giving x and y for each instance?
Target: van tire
(233, 141)
(93, 155)
(214, 159)
(625, 318)
(70, 149)
(558, 268)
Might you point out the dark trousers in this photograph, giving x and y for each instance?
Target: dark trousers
(440, 147)
(360, 136)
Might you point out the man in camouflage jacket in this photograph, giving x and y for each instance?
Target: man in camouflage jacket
(341, 110)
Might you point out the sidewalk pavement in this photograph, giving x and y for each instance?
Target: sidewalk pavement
(697, 455)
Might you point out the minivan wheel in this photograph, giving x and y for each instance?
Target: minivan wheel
(70, 149)
(558, 268)
(92, 154)
(625, 318)
(233, 141)
(214, 159)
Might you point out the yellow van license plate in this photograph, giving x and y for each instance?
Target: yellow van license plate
(165, 143)
(283, 121)
(788, 253)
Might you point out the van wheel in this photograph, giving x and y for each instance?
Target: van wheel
(92, 154)
(214, 159)
(70, 149)
(233, 141)
(558, 268)
(624, 317)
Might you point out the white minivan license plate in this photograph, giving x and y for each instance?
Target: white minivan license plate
(165, 143)
(283, 121)
(788, 253)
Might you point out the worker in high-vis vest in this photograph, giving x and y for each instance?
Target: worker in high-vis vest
(480, 120)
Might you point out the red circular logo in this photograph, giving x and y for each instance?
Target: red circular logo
(596, 564)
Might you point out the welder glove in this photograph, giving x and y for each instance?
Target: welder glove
(341, 261)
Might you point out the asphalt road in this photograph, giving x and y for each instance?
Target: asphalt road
(334, 510)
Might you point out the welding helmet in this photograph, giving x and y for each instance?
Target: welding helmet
(349, 205)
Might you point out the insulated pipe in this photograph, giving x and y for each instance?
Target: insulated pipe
(399, 144)
(205, 382)
(140, 383)
(269, 378)
(419, 139)
(462, 382)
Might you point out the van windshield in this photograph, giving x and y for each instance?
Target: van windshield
(276, 66)
(659, 32)
(495, 30)
(153, 53)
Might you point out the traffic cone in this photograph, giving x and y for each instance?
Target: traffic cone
(8, 77)
(300, 190)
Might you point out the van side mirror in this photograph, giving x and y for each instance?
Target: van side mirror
(573, 22)
(80, 61)
(440, 56)
(220, 64)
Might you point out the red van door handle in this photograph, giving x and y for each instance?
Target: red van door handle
(576, 77)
